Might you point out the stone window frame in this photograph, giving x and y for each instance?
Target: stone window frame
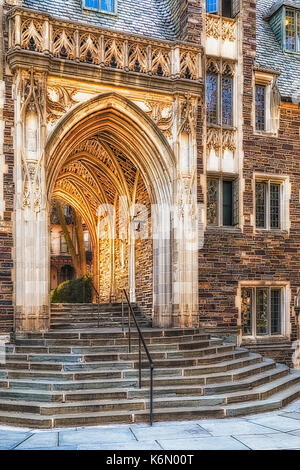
(285, 288)
(98, 10)
(220, 176)
(271, 115)
(223, 68)
(284, 183)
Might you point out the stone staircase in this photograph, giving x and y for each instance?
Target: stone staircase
(74, 316)
(87, 377)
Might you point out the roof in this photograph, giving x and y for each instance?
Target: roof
(279, 3)
(145, 17)
(269, 54)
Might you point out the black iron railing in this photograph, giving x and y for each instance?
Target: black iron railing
(141, 342)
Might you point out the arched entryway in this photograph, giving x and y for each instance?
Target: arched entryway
(107, 153)
(107, 156)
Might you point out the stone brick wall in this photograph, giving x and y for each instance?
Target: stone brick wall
(144, 257)
(191, 20)
(6, 166)
(233, 255)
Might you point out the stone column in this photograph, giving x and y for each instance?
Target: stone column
(185, 252)
(31, 229)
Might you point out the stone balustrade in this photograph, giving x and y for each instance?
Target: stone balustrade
(41, 33)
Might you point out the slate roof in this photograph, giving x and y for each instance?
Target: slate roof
(150, 18)
(269, 53)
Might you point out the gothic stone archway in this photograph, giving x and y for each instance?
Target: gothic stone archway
(71, 170)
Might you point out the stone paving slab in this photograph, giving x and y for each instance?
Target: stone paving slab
(172, 430)
(42, 439)
(10, 439)
(123, 446)
(291, 414)
(204, 443)
(90, 436)
(278, 441)
(234, 426)
(277, 422)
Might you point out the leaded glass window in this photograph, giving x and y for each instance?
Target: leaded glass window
(274, 205)
(222, 202)
(290, 30)
(260, 204)
(246, 312)
(227, 100)
(212, 98)
(260, 103)
(212, 6)
(275, 311)
(212, 201)
(220, 7)
(100, 5)
(261, 311)
(267, 205)
(219, 99)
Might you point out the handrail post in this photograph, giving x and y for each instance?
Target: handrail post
(151, 394)
(129, 330)
(98, 299)
(123, 312)
(140, 363)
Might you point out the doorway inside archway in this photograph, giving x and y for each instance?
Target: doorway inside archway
(99, 184)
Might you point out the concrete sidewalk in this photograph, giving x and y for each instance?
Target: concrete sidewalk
(268, 431)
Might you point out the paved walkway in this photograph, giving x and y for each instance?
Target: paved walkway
(268, 431)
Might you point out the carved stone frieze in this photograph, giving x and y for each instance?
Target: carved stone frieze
(223, 139)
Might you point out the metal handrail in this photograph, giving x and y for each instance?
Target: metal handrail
(141, 340)
(97, 301)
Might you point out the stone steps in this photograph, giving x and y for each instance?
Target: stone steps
(74, 316)
(88, 377)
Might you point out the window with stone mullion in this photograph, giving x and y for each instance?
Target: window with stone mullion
(260, 107)
(219, 99)
(267, 205)
(261, 311)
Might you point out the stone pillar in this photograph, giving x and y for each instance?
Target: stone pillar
(185, 252)
(31, 229)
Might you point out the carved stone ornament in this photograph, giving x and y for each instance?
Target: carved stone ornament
(32, 195)
(31, 87)
(188, 114)
(59, 100)
(162, 115)
(220, 139)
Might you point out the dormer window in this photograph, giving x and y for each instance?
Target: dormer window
(104, 6)
(292, 30)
